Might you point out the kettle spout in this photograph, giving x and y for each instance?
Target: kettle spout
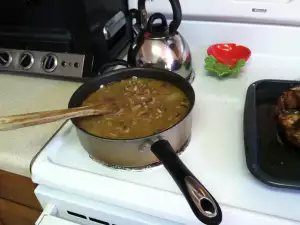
(136, 15)
(136, 28)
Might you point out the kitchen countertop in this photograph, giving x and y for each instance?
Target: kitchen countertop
(22, 94)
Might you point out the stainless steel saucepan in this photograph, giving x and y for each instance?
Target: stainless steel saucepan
(161, 147)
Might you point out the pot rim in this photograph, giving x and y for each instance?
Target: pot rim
(115, 74)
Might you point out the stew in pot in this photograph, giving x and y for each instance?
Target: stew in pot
(147, 106)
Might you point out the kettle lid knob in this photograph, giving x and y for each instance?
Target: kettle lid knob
(157, 27)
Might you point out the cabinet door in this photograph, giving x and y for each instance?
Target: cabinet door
(18, 189)
(15, 214)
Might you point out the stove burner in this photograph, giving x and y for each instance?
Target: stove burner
(140, 168)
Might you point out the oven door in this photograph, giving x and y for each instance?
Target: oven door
(48, 217)
(51, 220)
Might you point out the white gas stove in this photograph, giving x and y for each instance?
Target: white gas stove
(72, 187)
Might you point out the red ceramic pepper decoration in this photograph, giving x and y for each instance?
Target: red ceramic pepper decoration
(225, 59)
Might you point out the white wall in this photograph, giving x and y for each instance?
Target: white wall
(272, 11)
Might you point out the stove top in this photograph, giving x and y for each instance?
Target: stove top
(215, 153)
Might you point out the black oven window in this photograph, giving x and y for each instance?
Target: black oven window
(33, 15)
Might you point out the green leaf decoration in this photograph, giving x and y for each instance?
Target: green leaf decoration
(210, 60)
(220, 69)
(241, 63)
(238, 66)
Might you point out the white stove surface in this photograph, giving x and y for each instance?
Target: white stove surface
(216, 151)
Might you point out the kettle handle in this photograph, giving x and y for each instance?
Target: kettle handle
(177, 14)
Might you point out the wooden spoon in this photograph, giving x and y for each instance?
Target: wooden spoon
(37, 118)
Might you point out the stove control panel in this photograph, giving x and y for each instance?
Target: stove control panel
(280, 12)
(38, 62)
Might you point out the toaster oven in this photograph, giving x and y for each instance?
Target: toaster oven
(69, 38)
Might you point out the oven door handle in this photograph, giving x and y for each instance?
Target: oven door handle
(48, 217)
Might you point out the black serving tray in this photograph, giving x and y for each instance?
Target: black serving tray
(269, 158)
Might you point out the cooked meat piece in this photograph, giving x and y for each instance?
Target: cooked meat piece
(289, 119)
(288, 115)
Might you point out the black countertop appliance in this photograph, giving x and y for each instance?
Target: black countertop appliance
(62, 38)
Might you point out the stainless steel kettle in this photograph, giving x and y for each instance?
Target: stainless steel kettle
(159, 45)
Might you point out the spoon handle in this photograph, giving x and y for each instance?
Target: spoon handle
(37, 118)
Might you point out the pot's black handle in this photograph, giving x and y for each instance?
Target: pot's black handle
(177, 14)
(114, 63)
(162, 27)
(204, 206)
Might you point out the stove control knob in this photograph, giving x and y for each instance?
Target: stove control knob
(49, 63)
(26, 60)
(5, 59)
